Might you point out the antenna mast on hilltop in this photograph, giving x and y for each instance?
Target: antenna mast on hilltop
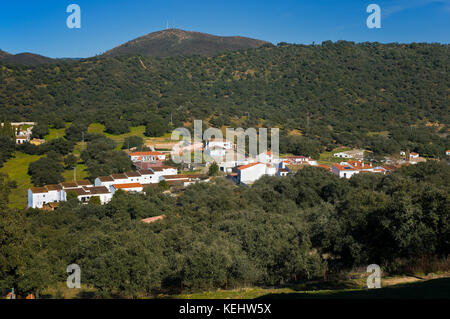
(167, 24)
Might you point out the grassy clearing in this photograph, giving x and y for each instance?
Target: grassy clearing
(56, 133)
(327, 158)
(81, 173)
(17, 169)
(393, 288)
(429, 289)
(382, 133)
(97, 128)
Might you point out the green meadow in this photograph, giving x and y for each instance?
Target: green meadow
(17, 169)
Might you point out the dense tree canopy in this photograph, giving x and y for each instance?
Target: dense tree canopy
(219, 235)
(384, 97)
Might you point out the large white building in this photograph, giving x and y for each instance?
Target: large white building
(84, 190)
(350, 168)
(105, 186)
(249, 173)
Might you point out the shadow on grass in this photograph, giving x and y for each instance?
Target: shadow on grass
(431, 289)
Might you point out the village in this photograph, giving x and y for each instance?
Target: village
(151, 171)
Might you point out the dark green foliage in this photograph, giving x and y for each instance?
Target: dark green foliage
(156, 126)
(70, 161)
(40, 129)
(133, 141)
(335, 93)
(46, 170)
(101, 158)
(95, 200)
(213, 169)
(116, 126)
(7, 141)
(75, 131)
(218, 235)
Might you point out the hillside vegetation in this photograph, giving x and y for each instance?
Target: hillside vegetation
(175, 42)
(335, 93)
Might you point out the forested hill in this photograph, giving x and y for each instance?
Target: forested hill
(175, 42)
(341, 87)
(24, 58)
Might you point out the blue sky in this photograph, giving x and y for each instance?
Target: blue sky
(39, 26)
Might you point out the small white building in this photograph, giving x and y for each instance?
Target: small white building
(147, 157)
(342, 155)
(38, 196)
(22, 139)
(106, 181)
(350, 168)
(217, 142)
(163, 170)
(301, 160)
(84, 194)
(266, 157)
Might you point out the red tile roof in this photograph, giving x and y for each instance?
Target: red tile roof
(147, 154)
(248, 166)
(129, 185)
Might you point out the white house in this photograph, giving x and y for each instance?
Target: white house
(217, 142)
(163, 170)
(38, 196)
(217, 147)
(84, 194)
(342, 155)
(227, 167)
(266, 157)
(251, 172)
(147, 156)
(148, 177)
(301, 160)
(216, 151)
(413, 155)
(22, 139)
(104, 181)
(447, 152)
(129, 187)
